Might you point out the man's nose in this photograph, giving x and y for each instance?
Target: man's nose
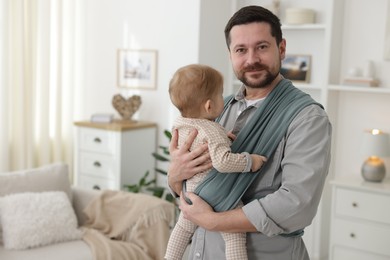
(252, 57)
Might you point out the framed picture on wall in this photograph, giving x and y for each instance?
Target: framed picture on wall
(137, 68)
(296, 67)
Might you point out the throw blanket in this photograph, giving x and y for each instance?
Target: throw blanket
(260, 136)
(122, 225)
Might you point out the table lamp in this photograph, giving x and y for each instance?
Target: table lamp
(375, 144)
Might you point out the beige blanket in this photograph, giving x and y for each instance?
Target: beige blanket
(122, 225)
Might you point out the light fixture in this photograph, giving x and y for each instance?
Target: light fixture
(375, 145)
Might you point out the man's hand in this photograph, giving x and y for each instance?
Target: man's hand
(199, 212)
(185, 164)
(204, 216)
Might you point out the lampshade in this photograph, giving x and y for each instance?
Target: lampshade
(375, 143)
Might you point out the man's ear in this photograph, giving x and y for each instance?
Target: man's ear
(282, 49)
(207, 106)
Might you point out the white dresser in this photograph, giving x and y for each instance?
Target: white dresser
(360, 220)
(107, 156)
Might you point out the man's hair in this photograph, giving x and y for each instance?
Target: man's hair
(191, 86)
(252, 14)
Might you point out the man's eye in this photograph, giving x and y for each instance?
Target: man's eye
(241, 50)
(262, 47)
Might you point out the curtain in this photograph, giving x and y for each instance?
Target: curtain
(41, 78)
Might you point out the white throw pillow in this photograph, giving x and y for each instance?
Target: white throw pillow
(52, 177)
(34, 219)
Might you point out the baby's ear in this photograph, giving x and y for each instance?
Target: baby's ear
(207, 105)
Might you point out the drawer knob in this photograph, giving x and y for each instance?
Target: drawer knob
(97, 140)
(97, 164)
(96, 187)
(354, 204)
(352, 235)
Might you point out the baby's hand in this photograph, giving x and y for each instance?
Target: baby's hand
(257, 162)
(231, 136)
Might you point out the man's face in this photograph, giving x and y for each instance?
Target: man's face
(255, 56)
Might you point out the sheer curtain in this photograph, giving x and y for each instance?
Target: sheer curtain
(41, 77)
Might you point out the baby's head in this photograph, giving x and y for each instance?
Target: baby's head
(196, 90)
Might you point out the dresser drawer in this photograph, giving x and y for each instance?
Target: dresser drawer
(342, 253)
(97, 165)
(363, 205)
(370, 237)
(96, 140)
(96, 183)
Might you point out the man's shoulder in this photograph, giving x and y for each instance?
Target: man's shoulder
(311, 113)
(312, 110)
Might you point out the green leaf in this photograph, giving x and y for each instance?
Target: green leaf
(169, 198)
(142, 182)
(150, 182)
(132, 188)
(160, 157)
(168, 134)
(165, 150)
(157, 191)
(161, 171)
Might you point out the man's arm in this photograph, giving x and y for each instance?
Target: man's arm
(203, 215)
(185, 164)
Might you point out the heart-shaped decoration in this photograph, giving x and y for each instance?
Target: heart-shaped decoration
(126, 107)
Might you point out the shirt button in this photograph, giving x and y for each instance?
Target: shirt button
(197, 255)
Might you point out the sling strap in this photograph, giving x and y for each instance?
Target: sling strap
(259, 136)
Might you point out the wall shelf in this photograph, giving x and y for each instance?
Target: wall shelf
(344, 88)
(315, 26)
(306, 86)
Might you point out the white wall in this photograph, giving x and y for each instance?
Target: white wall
(364, 37)
(182, 32)
(213, 50)
(170, 27)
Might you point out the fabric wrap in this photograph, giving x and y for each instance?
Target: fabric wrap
(259, 136)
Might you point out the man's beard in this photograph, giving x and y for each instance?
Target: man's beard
(269, 76)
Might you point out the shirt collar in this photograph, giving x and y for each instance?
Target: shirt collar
(240, 97)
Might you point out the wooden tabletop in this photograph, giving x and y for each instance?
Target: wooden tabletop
(117, 125)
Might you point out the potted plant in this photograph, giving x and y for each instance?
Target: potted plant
(146, 184)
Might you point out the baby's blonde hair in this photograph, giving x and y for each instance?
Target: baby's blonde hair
(191, 86)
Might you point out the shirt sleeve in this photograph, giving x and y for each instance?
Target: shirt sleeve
(304, 163)
(220, 152)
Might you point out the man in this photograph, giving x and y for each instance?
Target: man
(283, 198)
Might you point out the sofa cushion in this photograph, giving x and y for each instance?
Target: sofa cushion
(53, 177)
(33, 219)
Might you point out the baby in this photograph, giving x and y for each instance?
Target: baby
(196, 90)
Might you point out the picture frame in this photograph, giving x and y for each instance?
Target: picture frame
(137, 69)
(296, 67)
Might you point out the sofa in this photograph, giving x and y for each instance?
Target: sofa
(29, 198)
